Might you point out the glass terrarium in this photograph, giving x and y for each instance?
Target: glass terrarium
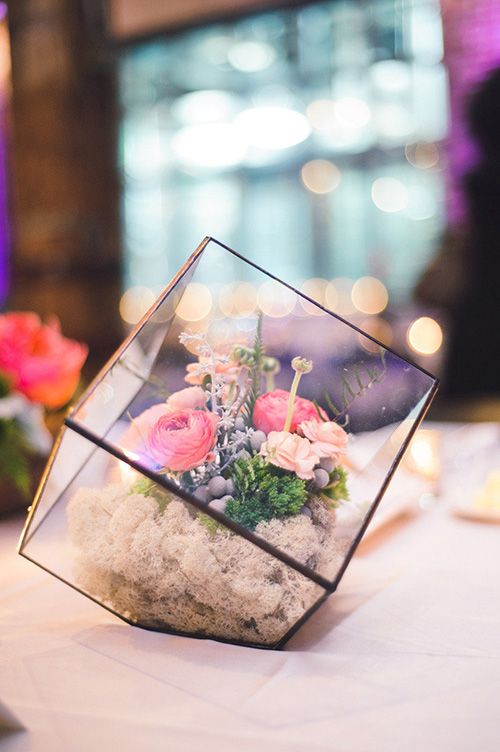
(216, 477)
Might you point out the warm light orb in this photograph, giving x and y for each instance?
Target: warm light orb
(196, 302)
(369, 295)
(378, 328)
(425, 336)
(135, 302)
(315, 289)
(238, 299)
(338, 296)
(389, 195)
(423, 155)
(320, 176)
(321, 114)
(275, 300)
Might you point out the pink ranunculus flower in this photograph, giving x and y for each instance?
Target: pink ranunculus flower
(270, 409)
(42, 364)
(290, 452)
(183, 440)
(328, 439)
(191, 397)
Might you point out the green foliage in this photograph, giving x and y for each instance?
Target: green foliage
(337, 489)
(263, 491)
(258, 355)
(147, 487)
(14, 465)
(5, 385)
(356, 384)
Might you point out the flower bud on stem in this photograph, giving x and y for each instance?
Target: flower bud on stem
(300, 366)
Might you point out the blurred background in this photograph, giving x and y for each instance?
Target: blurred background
(348, 146)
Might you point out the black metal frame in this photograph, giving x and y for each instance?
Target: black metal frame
(99, 442)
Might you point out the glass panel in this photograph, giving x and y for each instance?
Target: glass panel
(156, 560)
(211, 409)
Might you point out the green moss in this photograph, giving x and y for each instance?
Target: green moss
(211, 525)
(263, 492)
(147, 487)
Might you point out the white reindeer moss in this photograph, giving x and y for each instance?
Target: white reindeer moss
(166, 569)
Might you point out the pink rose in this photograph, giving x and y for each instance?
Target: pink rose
(42, 364)
(190, 397)
(328, 439)
(290, 452)
(270, 409)
(183, 440)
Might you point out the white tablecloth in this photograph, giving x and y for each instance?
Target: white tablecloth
(405, 656)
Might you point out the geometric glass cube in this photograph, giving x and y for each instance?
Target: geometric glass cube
(210, 480)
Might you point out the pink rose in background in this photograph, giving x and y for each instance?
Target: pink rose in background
(190, 397)
(43, 365)
(229, 371)
(290, 452)
(183, 440)
(270, 409)
(135, 437)
(328, 439)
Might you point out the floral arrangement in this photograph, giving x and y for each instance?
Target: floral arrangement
(39, 371)
(265, 458)
(239, 445)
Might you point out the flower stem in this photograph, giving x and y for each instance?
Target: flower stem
(291, 400)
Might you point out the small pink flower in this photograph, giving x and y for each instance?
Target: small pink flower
(42, 364)
(229, 371)
(328, 439)
(183, 440)
(270, 409)
(290, 452)
(191, 397)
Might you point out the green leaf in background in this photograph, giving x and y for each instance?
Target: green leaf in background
(14, 462)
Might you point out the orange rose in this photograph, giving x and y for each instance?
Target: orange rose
(42, 364)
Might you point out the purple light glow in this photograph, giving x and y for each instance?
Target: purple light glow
(472, 43)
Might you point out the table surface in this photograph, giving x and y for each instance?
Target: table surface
(405, 656)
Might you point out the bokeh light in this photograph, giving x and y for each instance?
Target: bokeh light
(272, 127)
(320, 176)
(352, 112)
(251, 56)
(369, 295)
(321, 114)
(389, 195)
(338, 296)
(135, 302)
(275, 300)
(425, 336)
(238, 299)
(211, 145)
(315, 289)
(423, 155)
(378, 328)
(196, 302)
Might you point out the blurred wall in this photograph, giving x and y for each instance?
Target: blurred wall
(66, 257)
